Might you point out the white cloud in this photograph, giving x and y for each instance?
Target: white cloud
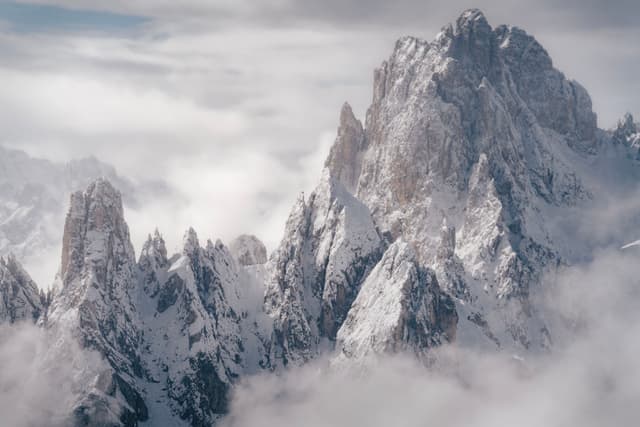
(43, 376)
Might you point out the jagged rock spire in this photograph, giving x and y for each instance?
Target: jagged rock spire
(625, 131)
(95, 233)
(330, 245)
(248, 250)
(153, 261)
(345, 157)
(399, 308)
(98, 275)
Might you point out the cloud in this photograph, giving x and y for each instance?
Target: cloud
(216, 116)
(40, 17)
(43, 377)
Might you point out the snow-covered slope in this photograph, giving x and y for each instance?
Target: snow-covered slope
(176, 332)
(438, 221)
(20, 299)
(330, 245)
(478, 131)
(96, 292)
(34, 194)
(399, 308)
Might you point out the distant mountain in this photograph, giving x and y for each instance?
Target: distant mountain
(436, 222)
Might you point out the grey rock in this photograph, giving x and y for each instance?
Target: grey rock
(20, 299)
(248, 250)
(330, 245)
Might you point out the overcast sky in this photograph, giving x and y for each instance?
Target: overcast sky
(235, 102)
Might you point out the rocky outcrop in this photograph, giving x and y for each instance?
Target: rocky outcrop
(432, 224)
(345, 157)
(400, 308)
(96, 296)
(193, 338)
(20, 299)
(330, 245)
(248, 250)
(627, 134)
(176, 332)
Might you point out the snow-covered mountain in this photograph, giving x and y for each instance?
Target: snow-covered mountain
(440, 220)
(20, 299)
(628, 134)
(176, 332)
(34, 194)
(330, 245)
(470, 142)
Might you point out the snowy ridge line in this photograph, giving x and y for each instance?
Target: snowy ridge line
(437, 221)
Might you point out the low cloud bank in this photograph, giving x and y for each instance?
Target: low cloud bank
(42, 376)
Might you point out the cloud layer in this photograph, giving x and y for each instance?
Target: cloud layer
(43, 376)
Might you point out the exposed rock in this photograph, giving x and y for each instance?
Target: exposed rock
(330, 245)
(96, 293)
(33, 201)
(200, 336)
(345, 158)
(399, 308)
(628, 135)
(248, 250)
(20, 299)
(477, 129)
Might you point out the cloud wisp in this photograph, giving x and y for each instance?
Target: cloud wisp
(43, 376)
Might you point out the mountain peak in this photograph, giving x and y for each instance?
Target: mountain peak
(190, 241)
(102, 189)
(472, 18)
(95, 216)
(248, 250)
(154, 247)
(344, 158)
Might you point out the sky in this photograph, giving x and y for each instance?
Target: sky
(235, 103)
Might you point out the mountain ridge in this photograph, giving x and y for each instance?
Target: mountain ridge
(430, 226)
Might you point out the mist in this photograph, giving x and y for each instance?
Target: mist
(43, 375)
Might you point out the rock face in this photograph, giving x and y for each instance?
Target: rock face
(434, 223)
(248, 250)
(345, 157)
(399, 308)
(96, 297)
(628, 135)
(33, 200)
(330, 245)
(478, 130)
(20, 299)
(176, 332)
(194, 341)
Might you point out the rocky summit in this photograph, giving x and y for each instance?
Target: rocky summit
(435, 222)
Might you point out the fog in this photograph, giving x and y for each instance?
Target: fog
(42, 375)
